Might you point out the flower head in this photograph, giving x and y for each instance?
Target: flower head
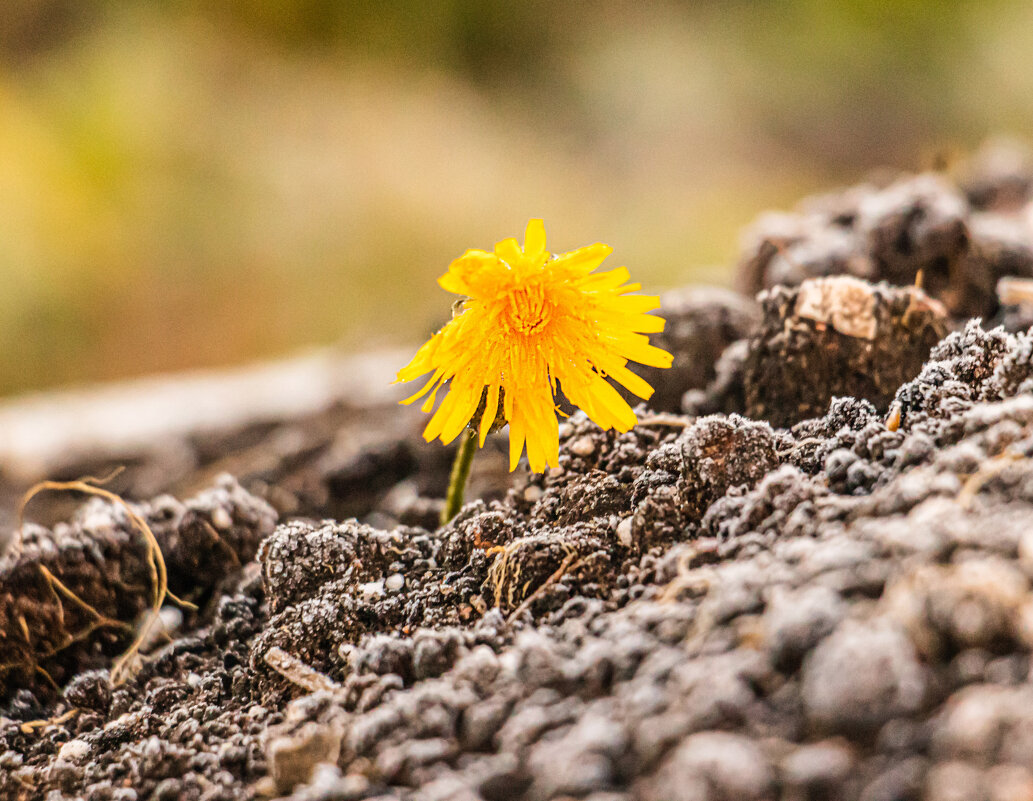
(530, 322)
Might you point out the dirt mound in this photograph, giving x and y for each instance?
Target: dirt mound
(895, 231)
(816, 585)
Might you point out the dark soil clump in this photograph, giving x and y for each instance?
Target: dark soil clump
(834, 337)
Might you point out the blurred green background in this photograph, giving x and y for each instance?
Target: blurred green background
(188, 183)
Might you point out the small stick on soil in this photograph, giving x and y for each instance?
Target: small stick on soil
(988, 470)
(155, 560)
(29, 726)
(534, 596)
(797, 445)
(297, 672)
(217, 538)
(667, 420)
(686, 578)
(1013, 291)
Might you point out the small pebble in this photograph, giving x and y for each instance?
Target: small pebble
(818, 766)
(583, 446)
(221, 519)
(532, 493)
(372, 588)
(624, 532)
(74, 750)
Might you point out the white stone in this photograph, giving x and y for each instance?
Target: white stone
(74, 750)
(372, 588)
(583, 446)
(221, 519)
(624, 532)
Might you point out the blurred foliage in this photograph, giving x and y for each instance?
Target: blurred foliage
(186, 183)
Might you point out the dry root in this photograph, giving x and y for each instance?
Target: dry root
(502, 575)
(989, 470)
(31, 725)
(567, 564)
(686, 578)
(123, 666)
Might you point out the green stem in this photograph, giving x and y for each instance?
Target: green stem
(460, 473)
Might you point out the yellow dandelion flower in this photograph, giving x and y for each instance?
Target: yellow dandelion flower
(530, 322)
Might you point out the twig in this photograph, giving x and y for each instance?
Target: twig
(667, 420)
(684, 578)
(297, 672)
(534, 596)
(987, 471)
(797, 445)
(1012, 291)
(29, 726)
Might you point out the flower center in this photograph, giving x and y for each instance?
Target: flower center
(529, 310)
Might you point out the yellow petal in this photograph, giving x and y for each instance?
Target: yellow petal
(636, 304)
(579, 263)
(468, 274)
(491, 410)
(611, 279)
(428, 404)
(630, 381)
(426, 388)
(534, 239)
(467, 399)
(631, 323)
(516, 444)
(636, 348)
(422, 362)
(623, 415)
(509, 251)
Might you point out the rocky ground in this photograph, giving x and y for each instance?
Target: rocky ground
(805, 575)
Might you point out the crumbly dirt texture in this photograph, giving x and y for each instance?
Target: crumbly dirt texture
(806, 574)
